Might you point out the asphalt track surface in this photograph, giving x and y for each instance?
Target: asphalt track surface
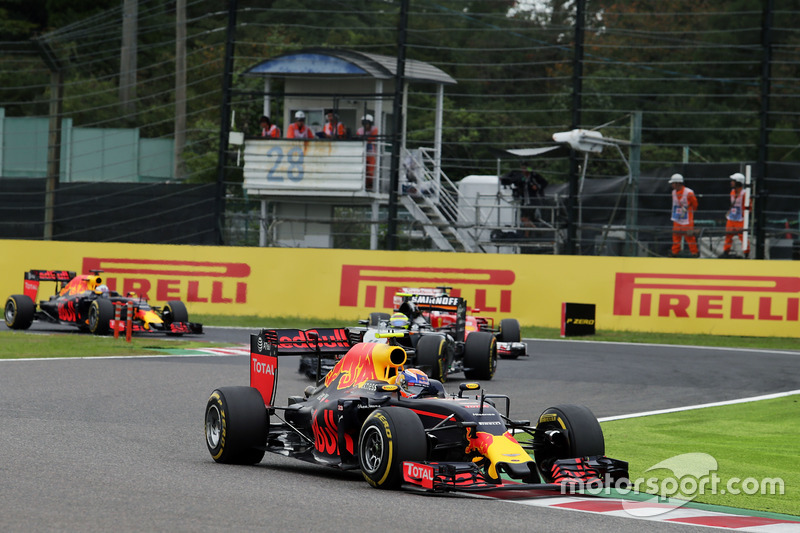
(117, 444)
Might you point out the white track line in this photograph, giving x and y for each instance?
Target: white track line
(701, 406)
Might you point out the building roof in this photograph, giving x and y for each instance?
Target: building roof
(338, 62)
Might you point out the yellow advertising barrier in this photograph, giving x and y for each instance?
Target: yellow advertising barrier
(723, 297)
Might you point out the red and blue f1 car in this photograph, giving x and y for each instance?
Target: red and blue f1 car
(83, 301)
(358, 418)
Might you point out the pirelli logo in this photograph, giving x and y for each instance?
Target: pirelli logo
(374, 286)
(163, 280)
(707, 296)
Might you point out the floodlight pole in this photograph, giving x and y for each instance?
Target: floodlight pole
(632, 211)
(397, 111)
(225, 122)
(54, 133)
(763, 141)
(577, 78)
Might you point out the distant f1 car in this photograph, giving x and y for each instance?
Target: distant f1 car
(446, 313)
(83, 301)
(369, 416)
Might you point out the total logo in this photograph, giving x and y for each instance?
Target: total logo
(263, 368)
(419, 472)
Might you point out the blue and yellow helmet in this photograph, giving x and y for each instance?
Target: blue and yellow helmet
(399, 320)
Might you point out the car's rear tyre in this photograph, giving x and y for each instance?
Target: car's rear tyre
(577, 434)
(432, 356)
(480, 355)
(236, 425)
(19, 311)
(387, 438)
(375, 319)
(101, 313)
(509, 330)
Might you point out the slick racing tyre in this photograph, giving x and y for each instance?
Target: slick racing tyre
(375, 319)
(19, 311)
(509, 330)
(101, 313)
(566, 432)
(175, 311)
(237, 424)
(388, 437)
(480, 355)
(432, 356)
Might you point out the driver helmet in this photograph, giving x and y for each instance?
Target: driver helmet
(399, 320)
(102, 289)
(412, 382)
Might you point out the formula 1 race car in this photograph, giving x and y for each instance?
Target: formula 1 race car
(398, 427)
(84, 301)
(445, 313)
(435, 352)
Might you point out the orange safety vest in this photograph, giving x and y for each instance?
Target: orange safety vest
(371, 137)
(296, 133)
(736, 212)
(340, 131)
(273, 132)
(684, 203)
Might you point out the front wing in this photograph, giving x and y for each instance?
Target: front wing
(176, 328)
(569, 475)
(511, 349)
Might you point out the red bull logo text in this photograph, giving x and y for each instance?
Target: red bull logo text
(486, 289)
(707, 296)
(163, 280)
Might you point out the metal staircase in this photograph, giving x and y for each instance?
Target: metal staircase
(432, 199)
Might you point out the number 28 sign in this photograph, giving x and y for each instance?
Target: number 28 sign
(287, 165)
(295, 165)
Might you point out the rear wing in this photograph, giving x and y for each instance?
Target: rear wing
(269, 344)
(444, 303)
(34, 277)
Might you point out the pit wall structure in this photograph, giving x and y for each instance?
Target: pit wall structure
(717, 297)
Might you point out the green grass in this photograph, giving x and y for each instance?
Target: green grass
(752, 440)
(20, 344)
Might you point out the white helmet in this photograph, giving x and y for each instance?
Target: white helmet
(676, 178)
(368, 118)
(738, 177)
(300, 115)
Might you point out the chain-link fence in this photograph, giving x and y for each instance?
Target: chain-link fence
(715, 86)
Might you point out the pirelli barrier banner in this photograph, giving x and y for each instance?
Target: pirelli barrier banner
(724, 297)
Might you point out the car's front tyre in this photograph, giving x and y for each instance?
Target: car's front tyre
(565, 432)
(389, 437)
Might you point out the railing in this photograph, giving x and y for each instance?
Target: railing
(428, 184)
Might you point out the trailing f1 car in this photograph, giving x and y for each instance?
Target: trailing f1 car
(435, 352)
(445, 313)
(83, 301)
(398, 427)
